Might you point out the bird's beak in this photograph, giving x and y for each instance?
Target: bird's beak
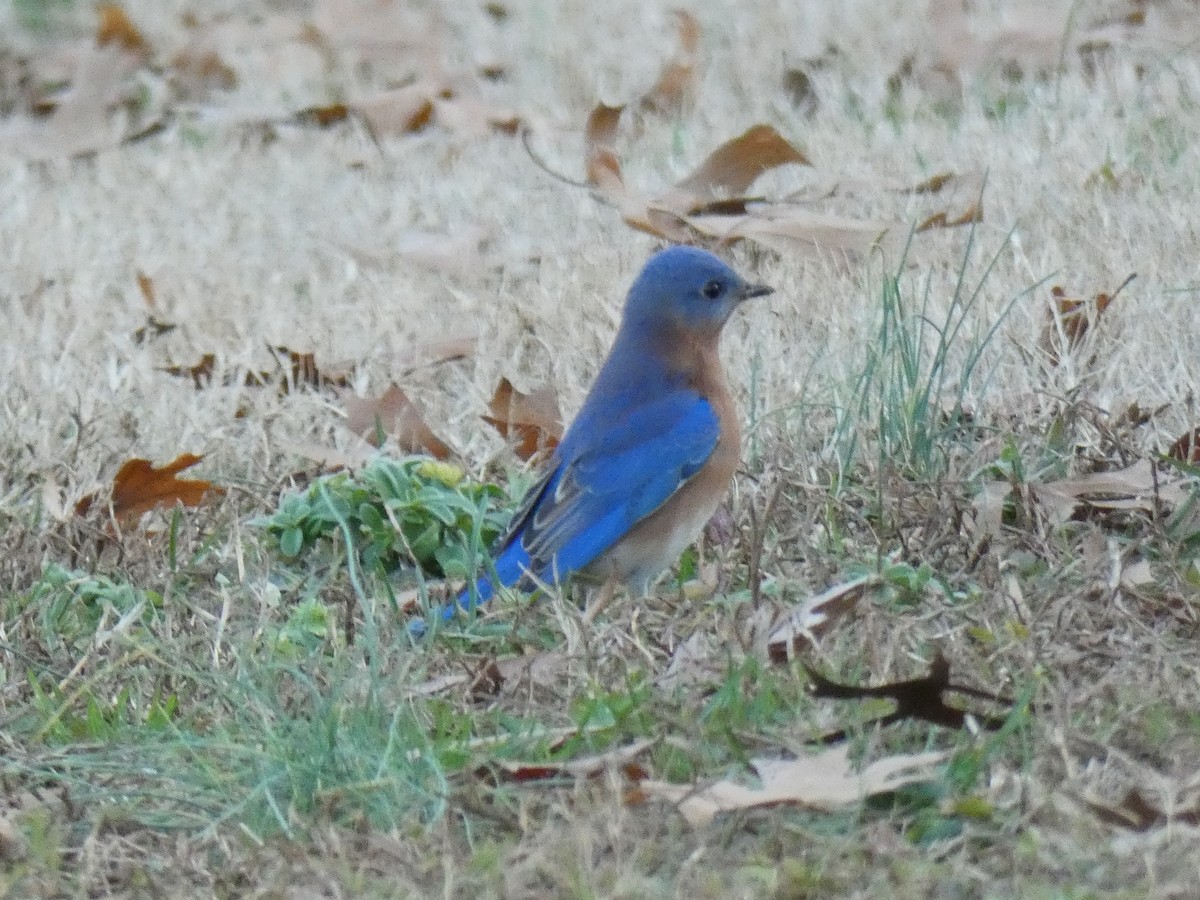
(755, 290)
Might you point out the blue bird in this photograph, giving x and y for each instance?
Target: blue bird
(652, 450)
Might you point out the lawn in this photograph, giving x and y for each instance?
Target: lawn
(348, 266)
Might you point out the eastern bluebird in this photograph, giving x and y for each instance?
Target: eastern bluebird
(652, 450)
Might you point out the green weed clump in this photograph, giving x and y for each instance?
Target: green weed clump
(414, 513)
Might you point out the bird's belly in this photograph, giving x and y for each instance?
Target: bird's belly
(656, 541)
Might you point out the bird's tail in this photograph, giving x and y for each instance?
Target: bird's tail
(507, 569)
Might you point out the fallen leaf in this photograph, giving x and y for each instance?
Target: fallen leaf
(788, 228)
(735, 165)
(729, 170)
(798, 86)
(532, 422)
(115, 28)
(197, 71)
(1187, 447)
(804, 625)
(293, 369)
(599, 148)
(398, 111)
(676, 85)
(943, 219)
(394, 415)
(921, 699)
(988, 506)
(618, 759)
(140, 487)
(81, 123)
(332, 459)
(324, 116)
(1070, 320)
(153, 328)
(201, 373)
(823, 781)
(1136, 813)
(1137, 487)
(146, 286)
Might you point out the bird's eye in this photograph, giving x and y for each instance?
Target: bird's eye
(712, 290)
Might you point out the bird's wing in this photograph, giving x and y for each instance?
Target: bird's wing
(612, 479)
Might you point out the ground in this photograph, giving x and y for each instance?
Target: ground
(959, 418)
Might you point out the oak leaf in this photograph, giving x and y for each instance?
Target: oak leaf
(140, 487)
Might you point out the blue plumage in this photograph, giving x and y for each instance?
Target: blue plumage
(649, 426)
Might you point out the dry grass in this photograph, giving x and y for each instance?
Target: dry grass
(193, 753)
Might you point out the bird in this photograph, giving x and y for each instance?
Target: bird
(652, 450)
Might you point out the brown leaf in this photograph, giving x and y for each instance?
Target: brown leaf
(619, 758)
(139, 487)
(146, 286)
(399, 111)
(731, 168)
(943, 219)
(394, 415)
(823, 781)
(599, 150)
(1071, 319)
(201, 373)
(196, 72)
(324, 116)
(676, 85)
(738, 163)
(1187, 447)
(801, 628)
(300, 370)
(115, 28)
(1136, 813)
(153, 328)
(532, 422)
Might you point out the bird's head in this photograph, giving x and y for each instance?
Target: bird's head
(688, 287)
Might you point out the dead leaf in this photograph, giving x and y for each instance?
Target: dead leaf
(735, 165)
(921, 699)
(293, 369)
(804, 625)
(1136, 813)
(676, 85)
(791, 228)
(154, 328)
(81, 122)
(201, 373)
(115, 28)
(532, 422)
(196, 72)
(798, 86)
(146, 286)
(394, 415)
(599, 148)
(1187, 447)
(139, 487)
(943, 219)
(622, 759)
(1137, 487)
(1070, 320)
(729, 170)
(398, 111)
(324, 116)
(823, 781)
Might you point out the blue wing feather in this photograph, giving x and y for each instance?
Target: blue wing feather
(602, 482)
